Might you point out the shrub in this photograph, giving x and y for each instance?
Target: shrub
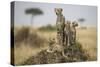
(47, 28)
(21, 35)
(32, 39)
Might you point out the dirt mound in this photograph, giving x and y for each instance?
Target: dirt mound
(74, 53)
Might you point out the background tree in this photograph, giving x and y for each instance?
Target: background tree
(81, 20)
(33, 12)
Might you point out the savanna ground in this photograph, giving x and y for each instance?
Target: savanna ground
(31, 44)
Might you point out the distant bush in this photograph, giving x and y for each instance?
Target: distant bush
(48, 27)
(21, 35)
(32, 39)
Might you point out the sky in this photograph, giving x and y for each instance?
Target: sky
(70, 12)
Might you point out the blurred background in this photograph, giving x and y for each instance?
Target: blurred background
(85, 15)
(35, 23)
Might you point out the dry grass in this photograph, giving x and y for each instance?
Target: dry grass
(48, 35)
(24, 52)
(87, 37)
(26, 44)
